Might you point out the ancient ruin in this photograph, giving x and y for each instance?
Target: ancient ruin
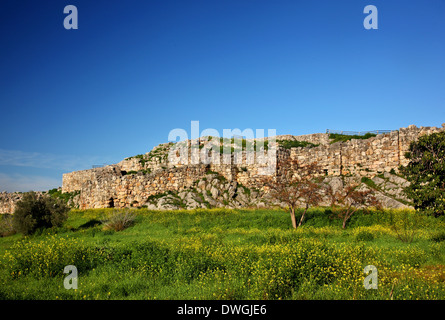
(153, 181)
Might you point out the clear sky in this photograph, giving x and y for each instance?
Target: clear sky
(134, 70)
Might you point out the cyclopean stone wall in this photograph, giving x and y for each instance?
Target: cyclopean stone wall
(110, 186)
(132, 181)
(8, 201)
(364, 157)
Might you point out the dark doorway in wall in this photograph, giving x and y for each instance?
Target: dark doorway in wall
(111, 203)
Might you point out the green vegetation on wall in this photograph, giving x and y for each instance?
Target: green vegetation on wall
(141, 158)
(65, 196)
(287, 144)
(336, 137)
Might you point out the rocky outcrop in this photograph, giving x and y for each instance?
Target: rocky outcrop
(213, 191)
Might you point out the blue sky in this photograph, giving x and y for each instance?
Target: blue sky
(134, 70)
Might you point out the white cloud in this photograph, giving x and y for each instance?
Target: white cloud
(48, 160)
(19, 182)
(13, 181)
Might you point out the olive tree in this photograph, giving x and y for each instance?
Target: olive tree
(36, 211)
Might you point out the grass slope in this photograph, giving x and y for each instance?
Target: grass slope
(227, 254)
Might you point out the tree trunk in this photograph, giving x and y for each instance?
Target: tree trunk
(302, 216)
(348, 214)
(292, 217)
(344, 223)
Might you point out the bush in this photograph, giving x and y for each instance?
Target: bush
(426, 173)
(336, 137)
(67, 197)
(287, 144)
(364, 236)
(406, 224)
(6, 227)
(119, 220)
(35, 212)
(438, 237)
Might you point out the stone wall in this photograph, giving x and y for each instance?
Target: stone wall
(119, 186)
(110, 186)
(315, 138)
(110, 189)
(77, 180)
(366, 157)
(8, 201)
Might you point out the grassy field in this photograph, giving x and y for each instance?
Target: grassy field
(229, 254)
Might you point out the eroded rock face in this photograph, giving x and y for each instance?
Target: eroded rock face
(213, 191)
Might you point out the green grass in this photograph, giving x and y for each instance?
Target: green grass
(141, 158)
(66, 196)
(369, 183)
(336, 137)
(287, 144)
(226, 143)
(226, 254)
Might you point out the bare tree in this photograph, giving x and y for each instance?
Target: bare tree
(352, 200)
(295, 184)
(310, 195)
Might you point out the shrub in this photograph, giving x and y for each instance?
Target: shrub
(287, 144)
(406, 224)
(35, 212)
(336, 137)
(67, 197)
(438, 237)
(119, 220)
(426, 173)
(6, 227)
(364, 236)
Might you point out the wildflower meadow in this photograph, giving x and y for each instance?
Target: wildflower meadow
(228, 254)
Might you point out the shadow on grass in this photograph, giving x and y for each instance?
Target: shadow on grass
(89, 224)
